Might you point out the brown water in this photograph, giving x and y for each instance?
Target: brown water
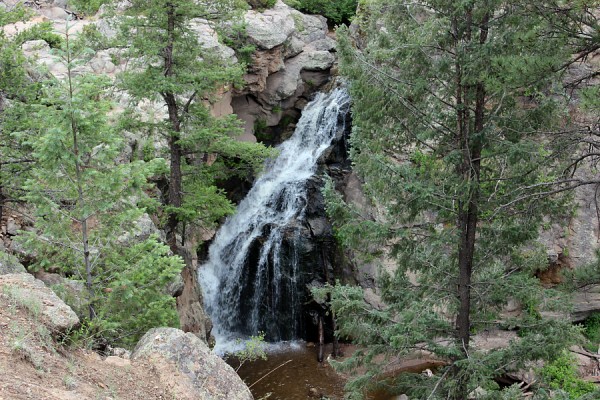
(291, 372)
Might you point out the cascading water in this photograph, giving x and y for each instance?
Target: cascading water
(252, 278)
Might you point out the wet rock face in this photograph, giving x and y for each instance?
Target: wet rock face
(309, 243)
(206, 376)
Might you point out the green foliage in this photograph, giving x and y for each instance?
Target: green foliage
(87, 7)
(195, 75)
(561, 373)
(42, 31)
(235, 36)
(336, 11)
(262, 5)
(83, 336)
(84, 202)
(134, 298)
(16, 13)
(254, 349)
(92, 38)
(591, 331)
(261, 130)
(450, 105)
(16, 85)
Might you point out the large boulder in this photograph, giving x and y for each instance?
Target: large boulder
(586, 301)
(171, 351)
(270, 28)
(33, 295)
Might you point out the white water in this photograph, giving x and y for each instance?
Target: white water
(243, 299)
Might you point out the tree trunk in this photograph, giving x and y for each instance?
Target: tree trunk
(174, 198)
(469, 170)
(89, 278)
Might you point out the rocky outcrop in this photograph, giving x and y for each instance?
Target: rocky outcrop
(10, 265)
(176, 354)
(293, 58)
(31, 293)
(70, 291)
(585, 302)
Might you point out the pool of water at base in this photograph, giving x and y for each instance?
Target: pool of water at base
(292, 372)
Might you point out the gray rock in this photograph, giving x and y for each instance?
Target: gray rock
(55, 13)
(10, 265)
(585, 302)
(102, 63)
(318, 61)
(309, 28)
(293, 47)
(33, 294)
(209, 40)
(271, 28)
(12, 227)
(70, 291)
(143, 228)
(209, 375)
(175, 287)
(58, 3)
(327, 44)
(108, 27)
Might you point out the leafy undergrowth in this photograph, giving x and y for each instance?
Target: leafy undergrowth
(561, 374)
(591, 331)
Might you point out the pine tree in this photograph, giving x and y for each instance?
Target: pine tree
(85, 201)
(458, 109)
(171, 66)
(15, 86)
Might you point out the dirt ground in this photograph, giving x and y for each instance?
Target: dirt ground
(34, 366)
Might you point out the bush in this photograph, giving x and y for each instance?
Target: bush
(42, 31)
(236, 37)
(561, 374)
(591, 330)
(262, 5)
(87, 7)
(336, 11)
(134, 297)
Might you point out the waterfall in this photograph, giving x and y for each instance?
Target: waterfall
(252, 279)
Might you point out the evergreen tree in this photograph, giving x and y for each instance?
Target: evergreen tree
(170, 66)
(85, 200)
(457, 112)
(14, 86)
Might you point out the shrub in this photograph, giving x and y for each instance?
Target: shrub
(87, 7)
(42, 31)
(336, 11)
(262, 5)
(236, 37)
(134, 298)
(591, 330)
(561, 374)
